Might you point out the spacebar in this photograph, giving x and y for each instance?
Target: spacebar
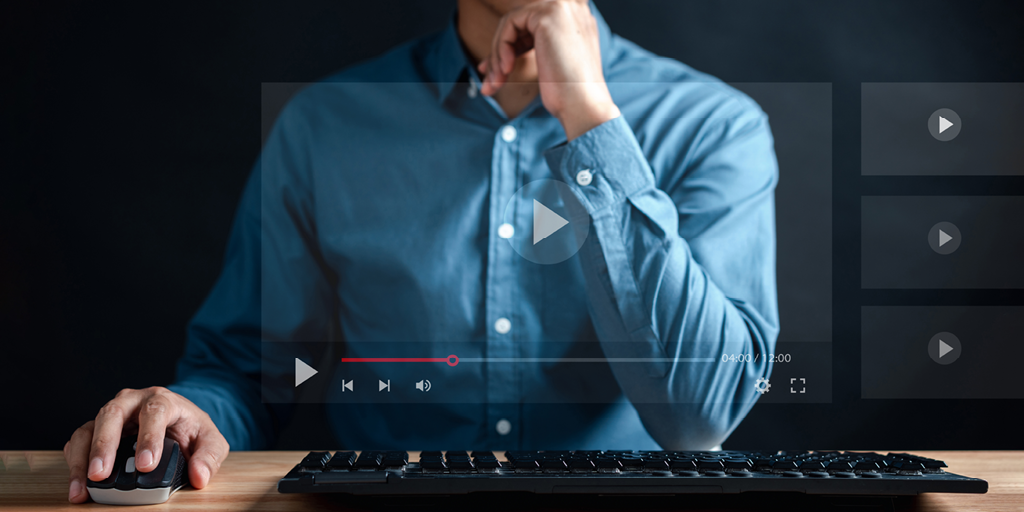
(351, 477)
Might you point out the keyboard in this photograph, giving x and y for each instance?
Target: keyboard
(623, 472)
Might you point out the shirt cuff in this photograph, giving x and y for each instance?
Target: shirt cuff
(604, 166)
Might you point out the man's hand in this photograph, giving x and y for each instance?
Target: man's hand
(150, 412)
(564, 35)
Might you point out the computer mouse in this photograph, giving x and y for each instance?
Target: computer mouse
(126, 486)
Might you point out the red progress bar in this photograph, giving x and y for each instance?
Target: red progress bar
(452, 360)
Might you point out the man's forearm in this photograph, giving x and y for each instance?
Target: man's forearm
(652, 302)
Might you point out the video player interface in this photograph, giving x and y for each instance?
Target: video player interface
(908, 242)
(536, 245)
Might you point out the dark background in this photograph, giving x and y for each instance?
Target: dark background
(130, 128)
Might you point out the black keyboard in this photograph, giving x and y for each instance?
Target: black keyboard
(623, 472)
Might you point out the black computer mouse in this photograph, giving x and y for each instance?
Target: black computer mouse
(126, 486)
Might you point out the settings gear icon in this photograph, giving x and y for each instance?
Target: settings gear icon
(762, 385)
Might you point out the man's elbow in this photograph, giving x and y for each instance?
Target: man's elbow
(693, 426)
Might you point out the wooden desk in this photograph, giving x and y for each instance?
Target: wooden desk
(248, 481)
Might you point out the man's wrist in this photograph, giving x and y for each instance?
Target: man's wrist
(579, 119)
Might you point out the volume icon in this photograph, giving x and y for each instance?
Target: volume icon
(423, 385)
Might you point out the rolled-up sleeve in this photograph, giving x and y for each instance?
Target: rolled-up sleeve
(681, 275)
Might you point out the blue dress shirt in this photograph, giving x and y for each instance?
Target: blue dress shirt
(373, 215)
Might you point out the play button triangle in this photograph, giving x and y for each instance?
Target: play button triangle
(303, 372)
(944, 348)
(545, 222)
(943, 238)
(944, 124)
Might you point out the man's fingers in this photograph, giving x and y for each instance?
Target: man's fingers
(76, 452)
(507, 41)
(156, 411)
(107, 433)
(511, 39)
(210, 451)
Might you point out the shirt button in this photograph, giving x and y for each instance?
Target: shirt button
(503, 427)
(508, 133)
(584, 177)
(473, 87)
(503, 325)
(506, 230)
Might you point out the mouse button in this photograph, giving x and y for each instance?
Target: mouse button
(163, 474)
(107, 483)
(120, 458)
(125, 469)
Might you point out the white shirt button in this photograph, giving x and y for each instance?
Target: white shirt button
(503, 325)
(509, 133)
(584, 177)
(503, 427)
(506, 230)
(473, 88)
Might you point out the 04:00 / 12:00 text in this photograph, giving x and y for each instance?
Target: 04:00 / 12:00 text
(747, 358)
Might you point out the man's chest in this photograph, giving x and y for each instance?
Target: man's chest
(413, 230)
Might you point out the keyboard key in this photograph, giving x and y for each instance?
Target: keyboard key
(342, 460)
(710, 464)
(908, 466)
(513, 455)
(812, 465)
(656, 465)
(553, 465)
(486, 463)
(369, 460)
(433, 464)
(738, 464)
(430, 454)
(840, 465)
(315, 460)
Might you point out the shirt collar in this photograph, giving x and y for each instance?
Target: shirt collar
(450, 60)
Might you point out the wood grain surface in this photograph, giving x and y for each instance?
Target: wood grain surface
(38, 480)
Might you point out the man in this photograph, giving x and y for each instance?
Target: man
(375, 214)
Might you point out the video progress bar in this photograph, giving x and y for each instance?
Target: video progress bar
(587, 360)
(453, 360)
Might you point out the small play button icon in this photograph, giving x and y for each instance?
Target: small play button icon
(303, 372)
(944, 125)
(944, 238)
(944, 348)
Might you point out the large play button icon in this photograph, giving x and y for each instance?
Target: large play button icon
(944, 124)
(303, 372)
(944, 348)
(545, 222)
(944, 238)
